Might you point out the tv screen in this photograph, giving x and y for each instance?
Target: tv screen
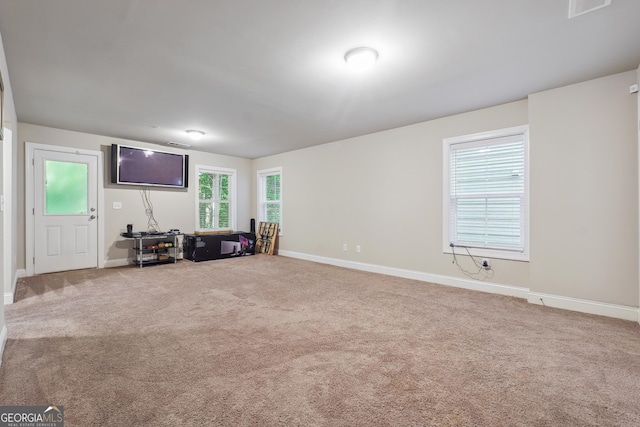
(142, 166)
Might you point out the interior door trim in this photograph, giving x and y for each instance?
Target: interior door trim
(29, 189)
(9, 236)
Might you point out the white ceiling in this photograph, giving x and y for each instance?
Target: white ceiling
(264, 77)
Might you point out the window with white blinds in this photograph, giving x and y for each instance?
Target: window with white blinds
(486, 193)
(216, 203)
(270, 196)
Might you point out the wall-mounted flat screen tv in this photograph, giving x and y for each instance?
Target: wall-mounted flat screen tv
(142, 166)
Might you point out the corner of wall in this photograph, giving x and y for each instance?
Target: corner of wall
(3, 341)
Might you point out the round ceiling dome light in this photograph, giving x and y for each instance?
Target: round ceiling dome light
(361, 58)
(195, 134)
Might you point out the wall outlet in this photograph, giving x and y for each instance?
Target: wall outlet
(345, 248)
(485, 264)
(358, 248)
(117, 205)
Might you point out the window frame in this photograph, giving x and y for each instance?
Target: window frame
(497, 253)
(233, 193)
(261, 176)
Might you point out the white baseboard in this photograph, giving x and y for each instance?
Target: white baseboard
(9, 296)
(109, 263)
(584, 306)
(3, 341)
(474, 285)
(556, 301)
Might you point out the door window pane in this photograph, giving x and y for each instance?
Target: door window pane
(66, 188)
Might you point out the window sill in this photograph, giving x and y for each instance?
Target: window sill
(489, 253)
(214, 231)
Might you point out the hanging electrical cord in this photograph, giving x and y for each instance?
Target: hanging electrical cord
(152, 224)
(483, 271)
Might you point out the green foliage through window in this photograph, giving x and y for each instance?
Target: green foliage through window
(66, 188)
(272, 212)
(272, 188)
(214, 194)
(270, 197)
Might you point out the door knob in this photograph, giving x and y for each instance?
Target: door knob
(93, 209)
(92, 217)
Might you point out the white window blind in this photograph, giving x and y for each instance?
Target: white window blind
(270, 196)
(488, 193)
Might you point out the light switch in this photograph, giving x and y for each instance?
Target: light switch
(117, 205)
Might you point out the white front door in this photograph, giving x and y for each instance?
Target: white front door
(65, 211)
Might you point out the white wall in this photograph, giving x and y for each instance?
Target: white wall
(173, 208)
(384, 192)
(10, 122)
(584, 191)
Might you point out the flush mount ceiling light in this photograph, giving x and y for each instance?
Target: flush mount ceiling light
(361, 58)
(195, 134)
(580, 7)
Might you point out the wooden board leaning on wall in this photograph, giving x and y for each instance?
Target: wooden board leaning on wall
(266, 237)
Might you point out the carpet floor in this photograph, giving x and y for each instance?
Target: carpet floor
(267, 341)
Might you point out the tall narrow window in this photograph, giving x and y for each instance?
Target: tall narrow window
(270, 195)
(216, 207)
(486, 193)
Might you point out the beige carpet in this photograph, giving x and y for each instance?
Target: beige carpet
(276, 341)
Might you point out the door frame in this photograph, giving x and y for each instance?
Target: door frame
(29, 187)
(638, 166)
(8, 256)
